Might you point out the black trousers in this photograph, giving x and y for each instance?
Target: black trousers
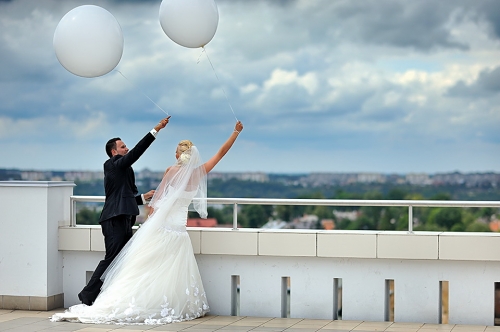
(117, 231)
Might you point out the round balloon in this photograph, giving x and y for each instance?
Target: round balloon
(189, 23)
(88, 41)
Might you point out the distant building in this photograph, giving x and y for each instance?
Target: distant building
(495, 225)
(349, 215)
(83, 176)
(307, 221)
(418, 179)
(247, 176)
(148, 174)
(35, 176)
(371, 178)
(275, 224)
(199, 222)
(151, 178)
(328, 224)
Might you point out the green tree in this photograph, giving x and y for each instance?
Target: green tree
(445, 217)
(458, 228)
(343, 224)
(283, 212)
(371, 214)
(441, 197)
(393, 218)
(478, 227)
(429, 228)
(342, 194)
(323, 212)
(255, 215)
(87, 216)
(487, 212)
(397, 194)
(288, 212)
(362, 223)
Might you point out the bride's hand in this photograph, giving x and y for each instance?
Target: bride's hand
(238, 127)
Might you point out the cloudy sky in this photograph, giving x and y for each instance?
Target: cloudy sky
(320, 85)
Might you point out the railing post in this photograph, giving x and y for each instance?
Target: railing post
(410, 218)
(72, 207)
(235, 216)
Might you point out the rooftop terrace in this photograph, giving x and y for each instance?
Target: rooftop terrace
(34, 321)
(268, 279)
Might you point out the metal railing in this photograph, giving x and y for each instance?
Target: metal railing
(314, 202)
(76, 199)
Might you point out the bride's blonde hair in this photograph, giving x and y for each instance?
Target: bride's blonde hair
(185, 145)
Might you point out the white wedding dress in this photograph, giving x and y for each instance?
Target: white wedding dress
(155, 279)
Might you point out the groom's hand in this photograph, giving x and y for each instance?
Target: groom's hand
(162, 124)
(149, 195)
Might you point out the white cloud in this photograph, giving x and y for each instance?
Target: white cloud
(350, 77)
(249, 88)
(280, 77)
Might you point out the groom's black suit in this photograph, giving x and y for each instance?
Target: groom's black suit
(119, 211)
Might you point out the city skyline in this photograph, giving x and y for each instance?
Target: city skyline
(304, 179)
(379, 86)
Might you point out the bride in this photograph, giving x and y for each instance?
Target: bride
(155, 278)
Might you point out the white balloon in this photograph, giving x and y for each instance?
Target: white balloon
(88, 41)
(189, 23)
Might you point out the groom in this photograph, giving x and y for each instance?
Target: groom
(120, 207)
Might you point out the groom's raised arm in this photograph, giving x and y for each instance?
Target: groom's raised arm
(138, 150)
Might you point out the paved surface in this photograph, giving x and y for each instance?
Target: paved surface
(33, 321)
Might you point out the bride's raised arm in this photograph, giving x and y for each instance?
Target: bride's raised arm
(210, 164)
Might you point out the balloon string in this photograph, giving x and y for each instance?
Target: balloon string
(141, 91)
(199, 57)
(225, 95)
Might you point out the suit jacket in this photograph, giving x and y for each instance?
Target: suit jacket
(119, 182)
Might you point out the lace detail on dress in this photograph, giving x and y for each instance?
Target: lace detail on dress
(198, 307)
(194, 308)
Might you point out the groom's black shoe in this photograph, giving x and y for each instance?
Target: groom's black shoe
(84, 299)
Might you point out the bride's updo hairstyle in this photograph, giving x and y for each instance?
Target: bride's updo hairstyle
(185, 145)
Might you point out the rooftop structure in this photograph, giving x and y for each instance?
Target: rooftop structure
(294, 274)
(37, 321)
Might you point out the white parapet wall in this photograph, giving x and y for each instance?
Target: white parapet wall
(30, 263)
(314, 261)
(44, 263)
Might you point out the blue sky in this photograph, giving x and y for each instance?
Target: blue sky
(321, 86)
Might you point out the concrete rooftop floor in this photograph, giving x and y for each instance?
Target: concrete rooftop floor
(33, 321)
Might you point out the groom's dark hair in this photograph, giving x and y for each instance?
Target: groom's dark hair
(111, 145)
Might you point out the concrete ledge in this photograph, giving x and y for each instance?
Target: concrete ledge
(316, 243)
(96, 239)
(75, 238)
(422, 245)
(224, 241)
(469, 246)
(36, 303)
(286, 243)
(348, 244)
